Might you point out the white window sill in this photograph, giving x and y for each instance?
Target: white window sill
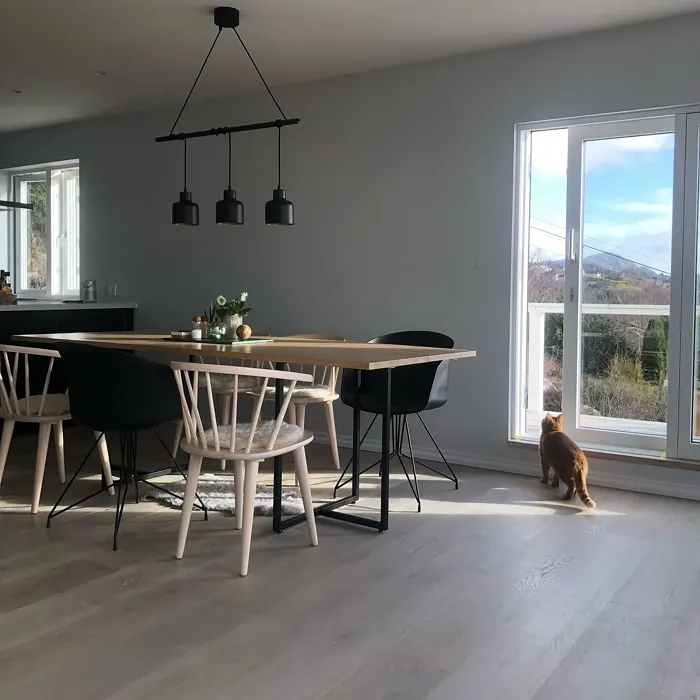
(617, 454)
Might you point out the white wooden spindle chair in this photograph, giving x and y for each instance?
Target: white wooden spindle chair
(322, 389)
(48, 410)
(246, 444)
(222, 387)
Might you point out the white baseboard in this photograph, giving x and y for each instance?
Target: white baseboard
(675, 483)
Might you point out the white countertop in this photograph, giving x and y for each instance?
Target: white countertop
(57, 305)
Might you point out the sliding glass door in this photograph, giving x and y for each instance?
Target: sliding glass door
(593, 286)
(618, 282)
(688, 436)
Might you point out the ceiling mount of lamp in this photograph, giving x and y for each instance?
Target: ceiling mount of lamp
(229, 210)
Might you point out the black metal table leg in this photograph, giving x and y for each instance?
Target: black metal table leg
(356, 418)
(386, 443)
(277, 484)
(330, 509)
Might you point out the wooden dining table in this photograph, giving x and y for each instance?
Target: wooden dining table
(281, 351)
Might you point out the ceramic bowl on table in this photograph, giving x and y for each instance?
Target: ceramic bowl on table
(8, 298)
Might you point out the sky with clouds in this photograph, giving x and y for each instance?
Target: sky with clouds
(627, 197)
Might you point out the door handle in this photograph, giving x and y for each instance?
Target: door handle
(572, 247)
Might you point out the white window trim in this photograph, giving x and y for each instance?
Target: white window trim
(680, 258)
(18, 175)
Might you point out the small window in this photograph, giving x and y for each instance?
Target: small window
(47, 237)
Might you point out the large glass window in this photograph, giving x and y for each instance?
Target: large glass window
(593, 281)
(47, 237)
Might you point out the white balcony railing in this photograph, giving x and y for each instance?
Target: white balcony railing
(536, 346)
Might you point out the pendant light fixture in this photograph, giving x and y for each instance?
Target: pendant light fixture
(229, 210)
(279, 211)
(185, 211)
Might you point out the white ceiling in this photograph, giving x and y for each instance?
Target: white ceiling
(152, 49)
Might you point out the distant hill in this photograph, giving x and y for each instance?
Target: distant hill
(601, 262)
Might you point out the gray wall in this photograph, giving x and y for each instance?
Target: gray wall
(402, 181)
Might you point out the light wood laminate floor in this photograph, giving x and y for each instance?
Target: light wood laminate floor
(494, 591)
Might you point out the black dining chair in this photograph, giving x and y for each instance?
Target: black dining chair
(414, 389)
(115, 391)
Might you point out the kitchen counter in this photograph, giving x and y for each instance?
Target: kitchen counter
(57, 305)
(53, 316)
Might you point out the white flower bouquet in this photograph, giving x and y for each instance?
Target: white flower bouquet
(231, 307)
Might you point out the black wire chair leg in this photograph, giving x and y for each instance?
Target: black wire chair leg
(121, 502)
(407, 431)
(338, 483)
(414, 489)
(127, 445)
(364, 471)
(395, 424)
(437, 447)
(53, 512)
(201, 505)
(171, 494)
(402, 435)
(395, 432)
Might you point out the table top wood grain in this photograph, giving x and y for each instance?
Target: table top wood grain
(350, 355)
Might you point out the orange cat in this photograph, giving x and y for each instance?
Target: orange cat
(565, 457)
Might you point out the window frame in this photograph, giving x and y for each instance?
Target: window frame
(517, 408)
(56, 278)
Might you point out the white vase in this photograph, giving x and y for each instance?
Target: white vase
(232, 323)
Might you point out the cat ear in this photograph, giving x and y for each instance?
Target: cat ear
(560, 418)
(548, 416)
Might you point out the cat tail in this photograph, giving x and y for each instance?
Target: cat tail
(580, 482)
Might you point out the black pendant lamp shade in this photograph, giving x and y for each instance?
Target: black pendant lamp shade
(279, 211)
(185, 211)
(229, 210)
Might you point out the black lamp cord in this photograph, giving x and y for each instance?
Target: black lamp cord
(264, 82)
(201, 70)
(279, 157)
(229, 161)
(185, 178)
(196, 80)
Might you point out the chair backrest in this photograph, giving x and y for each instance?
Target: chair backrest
(17, 400)
(115, 390)
(414, 388)
(187, 379)
(321, 376)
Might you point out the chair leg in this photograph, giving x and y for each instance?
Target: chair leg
(453, 478)
(251, 481)
(292, 411)
(121, 502)
(177, 466)
(8, 428)
(176, 438)
(301, 422)
(60, 455)
(128, 442)
(340, 483)
(55, 510)
(238, 479)
(332, 437)
(302, 471)
(407, 432)
(226, 401)
(193, 468)
(104, 460)
(41, 451)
